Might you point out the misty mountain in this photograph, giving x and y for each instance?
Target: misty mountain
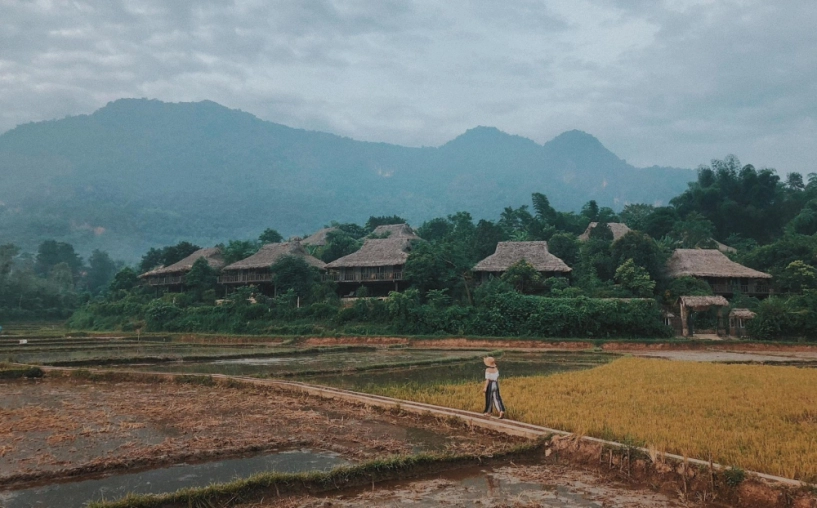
(140, 173)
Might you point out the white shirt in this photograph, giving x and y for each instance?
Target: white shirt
(491, 376)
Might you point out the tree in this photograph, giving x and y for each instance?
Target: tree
(236, 250)
(635, 215)
(591, 211)
(486, 237)
(52, 253)
(101, 270)
(200, 278)
(124, 280)
(695, 231)
(565, 246)
(634, 279)
(338, 244)
(805, 223)
(293, 273)
(166, 256)
(7, 254)
(270, 236)
(427, 268)
(797, 276)
(660, 222)
(523, 277)
(642, 250)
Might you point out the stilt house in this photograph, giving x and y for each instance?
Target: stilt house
(256, 268)
(173, 275)
(378, 264)
(724, 275)
(318, 238)
(618, 229)
(509, 253)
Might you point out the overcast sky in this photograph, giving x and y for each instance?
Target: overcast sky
(674, 82)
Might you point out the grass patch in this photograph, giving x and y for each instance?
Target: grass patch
(9, 371)
(249, 489)
(750, 416)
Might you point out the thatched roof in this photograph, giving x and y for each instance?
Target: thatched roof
(510, 253)
(389, 251)
(723, 247)
(742, 313)
(395, 231)
(318, 238)
(618, 229)
(703, 302)
(708, 263)
(211, 255)
(272, 253)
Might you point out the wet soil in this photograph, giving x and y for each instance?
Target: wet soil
(530, 485)
(65, 427)
(773, 357)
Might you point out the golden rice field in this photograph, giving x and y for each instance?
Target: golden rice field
(755, 417)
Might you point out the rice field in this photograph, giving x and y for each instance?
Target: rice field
(756, 417)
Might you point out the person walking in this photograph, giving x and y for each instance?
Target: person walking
(491, 388)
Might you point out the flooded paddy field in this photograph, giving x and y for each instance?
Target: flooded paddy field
(60, 432)
(512, 485)
(512, 364)
(318, 360)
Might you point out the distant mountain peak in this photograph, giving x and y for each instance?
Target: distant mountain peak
(484, 135)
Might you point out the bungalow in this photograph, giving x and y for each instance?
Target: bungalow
(378, 264)
(395, 231)
(618, 229)
(318, 239)
(173, 275)
(256, 268)
(724, 275)
(510, 253)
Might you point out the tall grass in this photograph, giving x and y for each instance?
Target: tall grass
(755, 417)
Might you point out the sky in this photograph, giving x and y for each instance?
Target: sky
(659, 82)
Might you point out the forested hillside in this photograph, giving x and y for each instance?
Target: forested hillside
(141, 173)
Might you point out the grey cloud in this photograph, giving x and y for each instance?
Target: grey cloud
(672, 82)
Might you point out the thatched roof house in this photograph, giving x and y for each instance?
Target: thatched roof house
(173, 274)
(708, 263)
(318, 238)
(508, 254)
(255, 269)
(618, 229)
(378, 260)
(395, 231)
(724, 275)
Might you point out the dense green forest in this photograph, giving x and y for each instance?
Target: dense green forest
(616, 288)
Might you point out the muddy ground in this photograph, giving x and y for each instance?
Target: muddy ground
(62, 427)
(529, 485)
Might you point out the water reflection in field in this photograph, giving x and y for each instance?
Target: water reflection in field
(511, 364)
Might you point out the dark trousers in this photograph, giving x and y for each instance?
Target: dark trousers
(492, 398)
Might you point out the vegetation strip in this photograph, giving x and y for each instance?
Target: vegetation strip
(293, 483)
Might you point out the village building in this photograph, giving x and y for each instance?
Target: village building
(689, 304)
(394, 231)
(256, 268)
(173, 275)
(377, 265)
(617, 228)
(737, 321)
(724, 275)
(318, 238)
(508, 254)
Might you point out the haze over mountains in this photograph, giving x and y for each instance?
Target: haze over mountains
(140, 173)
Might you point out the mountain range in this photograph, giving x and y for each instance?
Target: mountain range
(140, 173)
